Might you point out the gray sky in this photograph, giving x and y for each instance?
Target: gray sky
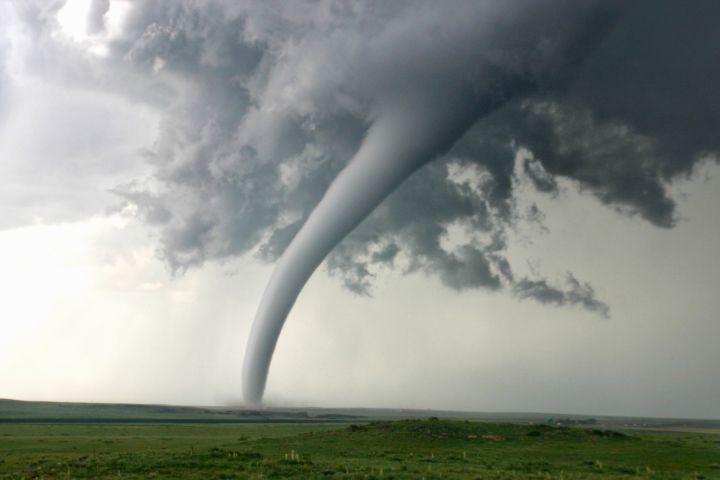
(156, 158)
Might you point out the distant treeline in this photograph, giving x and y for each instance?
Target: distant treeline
(572, 421)
(129, 420)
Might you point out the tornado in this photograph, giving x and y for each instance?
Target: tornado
(412, 125)
(396, 145)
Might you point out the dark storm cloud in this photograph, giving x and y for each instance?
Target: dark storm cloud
(641, 111)
(264, 103)
(419, 237)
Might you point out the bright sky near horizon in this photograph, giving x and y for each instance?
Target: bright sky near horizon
(148, 156)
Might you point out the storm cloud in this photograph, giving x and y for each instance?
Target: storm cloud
(264, 103)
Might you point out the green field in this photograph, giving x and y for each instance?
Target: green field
(63, 441)
(399, 449)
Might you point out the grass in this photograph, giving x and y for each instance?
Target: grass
(399, 449)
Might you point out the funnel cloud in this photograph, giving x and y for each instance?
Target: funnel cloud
(417, 122)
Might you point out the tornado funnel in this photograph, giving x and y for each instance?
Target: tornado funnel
(418, 116)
